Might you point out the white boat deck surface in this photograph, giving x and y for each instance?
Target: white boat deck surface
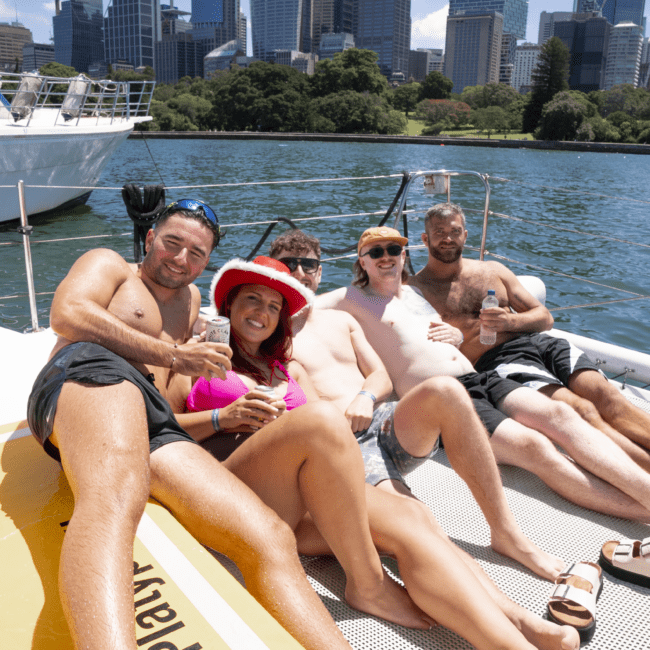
(557, 526)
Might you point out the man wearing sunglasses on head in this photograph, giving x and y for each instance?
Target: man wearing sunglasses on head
(99, 407)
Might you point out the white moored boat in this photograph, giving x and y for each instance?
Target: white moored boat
(34, 496)
(56, 136)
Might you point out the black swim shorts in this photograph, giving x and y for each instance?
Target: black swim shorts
(89, 363)
(486, 390)
(536, 360)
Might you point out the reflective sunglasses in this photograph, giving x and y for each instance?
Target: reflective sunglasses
(192, 205)
(377, 252)
(308, 264)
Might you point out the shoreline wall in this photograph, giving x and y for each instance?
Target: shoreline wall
(597, 147)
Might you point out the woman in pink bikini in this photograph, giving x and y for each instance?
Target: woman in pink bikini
(299, 455)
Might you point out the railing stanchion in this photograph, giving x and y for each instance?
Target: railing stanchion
(25, 230)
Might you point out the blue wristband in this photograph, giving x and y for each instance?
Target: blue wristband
(367, 393)
(215, 421)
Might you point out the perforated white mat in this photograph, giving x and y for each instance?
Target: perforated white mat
(557, 526)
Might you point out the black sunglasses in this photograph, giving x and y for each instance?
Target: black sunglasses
(377, 252)
(309, 264)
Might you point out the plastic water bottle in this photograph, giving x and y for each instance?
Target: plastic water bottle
(489, 336)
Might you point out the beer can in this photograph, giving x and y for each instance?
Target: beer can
(217, 330)
(267, 390)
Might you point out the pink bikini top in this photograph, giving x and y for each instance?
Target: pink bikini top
(216, 393)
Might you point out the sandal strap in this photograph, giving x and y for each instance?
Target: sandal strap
(584, 570)
(573, 595)
(644, 549)
(623, 553)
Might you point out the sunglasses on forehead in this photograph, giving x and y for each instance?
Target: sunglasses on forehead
(376, 252)
(308, 264)
(192, 205)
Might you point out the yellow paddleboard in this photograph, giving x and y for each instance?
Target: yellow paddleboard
(184, 599)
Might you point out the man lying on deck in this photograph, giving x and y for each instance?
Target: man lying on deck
(396, 319)
(96, 406)
(455, 287)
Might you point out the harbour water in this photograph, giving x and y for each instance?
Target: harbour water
(605, 195)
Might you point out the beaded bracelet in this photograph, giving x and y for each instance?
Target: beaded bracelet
(367, 393)
(215, 420)
(171, 365)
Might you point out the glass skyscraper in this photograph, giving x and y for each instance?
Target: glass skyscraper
(331, 17)
(131, 28)
(78, 36)
(515, 12)
(616, 11)
(215, 22)
(384, 26)
(280, 25)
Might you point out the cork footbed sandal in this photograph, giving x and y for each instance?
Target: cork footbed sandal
(627, 560)
(573, 601)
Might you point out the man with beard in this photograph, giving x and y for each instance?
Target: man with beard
(455, 286)
(524, 424)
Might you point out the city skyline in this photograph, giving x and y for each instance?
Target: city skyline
(428, 18)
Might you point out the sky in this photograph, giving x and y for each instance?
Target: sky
(428, 17)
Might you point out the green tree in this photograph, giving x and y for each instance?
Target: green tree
(352, 112)
(492, 94)
(490, 119)
(549, 78)
(405, 97)
(354, 70)
(627, 99)
(53, 69)
(562, 116)
(436, 86)
(263, 97)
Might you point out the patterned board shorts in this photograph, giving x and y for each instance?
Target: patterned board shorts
(383, 456)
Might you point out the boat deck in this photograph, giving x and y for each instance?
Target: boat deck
(556, 525)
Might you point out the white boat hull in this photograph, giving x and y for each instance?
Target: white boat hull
(67, 163)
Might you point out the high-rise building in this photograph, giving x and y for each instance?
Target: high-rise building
(215, 22)
(280, 25)
(178, 56)
(546, 24)
(242, 27)
(331, 44)
(644, 69)
(587, 38)
(12, 39)
(473, 52)
(624, 55)
(222, 58)
(36, 55)
(131, 29)
(384, 26)
(78, 35)
(331, 17)
(171, 20)
(526, 59)
(616, 11)
(507, 59)
(514, 12)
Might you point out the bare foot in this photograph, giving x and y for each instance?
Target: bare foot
(520, 548)
(549, 636)
(390, 602)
